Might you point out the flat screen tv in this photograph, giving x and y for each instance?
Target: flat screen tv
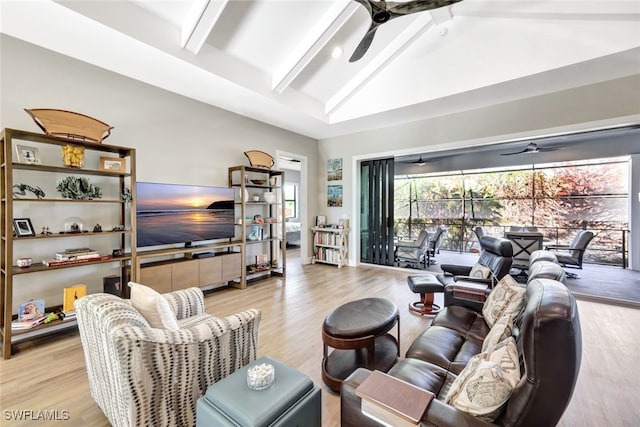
(174, 213)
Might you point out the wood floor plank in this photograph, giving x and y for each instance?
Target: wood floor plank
(50, 374)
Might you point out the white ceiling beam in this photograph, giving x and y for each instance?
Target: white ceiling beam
(200, 20)
(312, 44)
(378, 62)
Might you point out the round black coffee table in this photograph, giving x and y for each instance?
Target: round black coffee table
(357, 331)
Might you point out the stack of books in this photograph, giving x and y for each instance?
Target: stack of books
(75, 256)
(30, 315)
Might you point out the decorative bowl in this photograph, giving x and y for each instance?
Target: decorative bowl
(269, 197)
(259, 159)
(67, 124)
(259, 181)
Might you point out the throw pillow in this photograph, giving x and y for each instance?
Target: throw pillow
(480, 271)
(153, 307)
(507, 298)
(485, 385)
(500, 331)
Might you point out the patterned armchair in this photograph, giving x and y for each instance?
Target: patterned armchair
(144, 376)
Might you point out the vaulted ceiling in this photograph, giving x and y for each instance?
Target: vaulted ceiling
(272, 59)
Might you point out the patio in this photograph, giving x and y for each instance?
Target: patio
(608, 284)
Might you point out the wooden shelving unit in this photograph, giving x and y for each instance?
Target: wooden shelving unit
(47, 171)
(330, 245)
(264, 241)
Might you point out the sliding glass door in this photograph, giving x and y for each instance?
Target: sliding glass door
(376, 211)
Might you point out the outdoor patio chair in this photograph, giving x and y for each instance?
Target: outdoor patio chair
(412, 251)
(571, 255)
(433, 245)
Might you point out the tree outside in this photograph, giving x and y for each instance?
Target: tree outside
(556, 198)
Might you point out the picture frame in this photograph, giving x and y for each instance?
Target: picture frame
(23, 227)
(334, 195)
(334, 169)
(321, 221)
(113, 164)
(28, 155)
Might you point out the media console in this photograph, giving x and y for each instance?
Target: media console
(207, 266)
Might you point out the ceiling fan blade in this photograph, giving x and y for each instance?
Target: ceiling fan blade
(516, 152)
(364, 44)
(545, 149)
(533, 148)
(409, 7)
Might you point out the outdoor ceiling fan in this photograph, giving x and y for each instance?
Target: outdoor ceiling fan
(383, 11)
(533, 148)
(420, 161)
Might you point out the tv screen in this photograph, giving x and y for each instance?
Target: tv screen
(174, 213)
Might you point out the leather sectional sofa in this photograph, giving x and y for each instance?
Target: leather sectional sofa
(549, 347)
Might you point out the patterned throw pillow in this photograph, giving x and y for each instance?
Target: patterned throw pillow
(507, 298)
(485, 385)
(502, 330)
(480, 271)
(153, 307)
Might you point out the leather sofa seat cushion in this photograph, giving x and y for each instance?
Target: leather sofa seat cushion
(466, 321)
(444, 347)
(424, 375)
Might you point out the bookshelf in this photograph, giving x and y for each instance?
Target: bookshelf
(330, 245)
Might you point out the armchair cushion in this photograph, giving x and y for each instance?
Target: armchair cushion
(153, 307)
(506, 298)
(485, 385)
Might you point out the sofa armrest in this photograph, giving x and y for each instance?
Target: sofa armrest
(452, 297)
(186, 303)
(456, 270)
(437, 413)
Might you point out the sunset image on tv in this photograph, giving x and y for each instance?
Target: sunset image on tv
(173, 213)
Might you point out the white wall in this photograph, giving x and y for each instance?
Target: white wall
(598, 105)
(177, 140)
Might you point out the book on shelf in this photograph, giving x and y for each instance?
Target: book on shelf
(83, 255)
(30, 315)
(392, 401)
(78, 250)
(19, 325)
(70, 295)
(56, 262)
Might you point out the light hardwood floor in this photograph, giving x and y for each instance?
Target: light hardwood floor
(51, 374)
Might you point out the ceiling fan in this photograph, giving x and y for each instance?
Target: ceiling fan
(383, 11)
(420, 161)
(533, 148)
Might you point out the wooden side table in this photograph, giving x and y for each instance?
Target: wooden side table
(358, 333)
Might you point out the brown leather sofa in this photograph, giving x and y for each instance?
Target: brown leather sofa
(549, 347)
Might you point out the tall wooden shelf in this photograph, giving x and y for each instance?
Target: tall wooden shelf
(267, 238)
(330, 245)
(47, 171)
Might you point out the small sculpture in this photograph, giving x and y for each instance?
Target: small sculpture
(126, 195)
(77, 188)
(21, 190)
(97, 228)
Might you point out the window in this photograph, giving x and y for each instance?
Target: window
(557, 198)
(290, 200)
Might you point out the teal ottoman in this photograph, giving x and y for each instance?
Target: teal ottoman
(292, 400)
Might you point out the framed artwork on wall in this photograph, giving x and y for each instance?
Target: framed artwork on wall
(334, 169)
(334, 195)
